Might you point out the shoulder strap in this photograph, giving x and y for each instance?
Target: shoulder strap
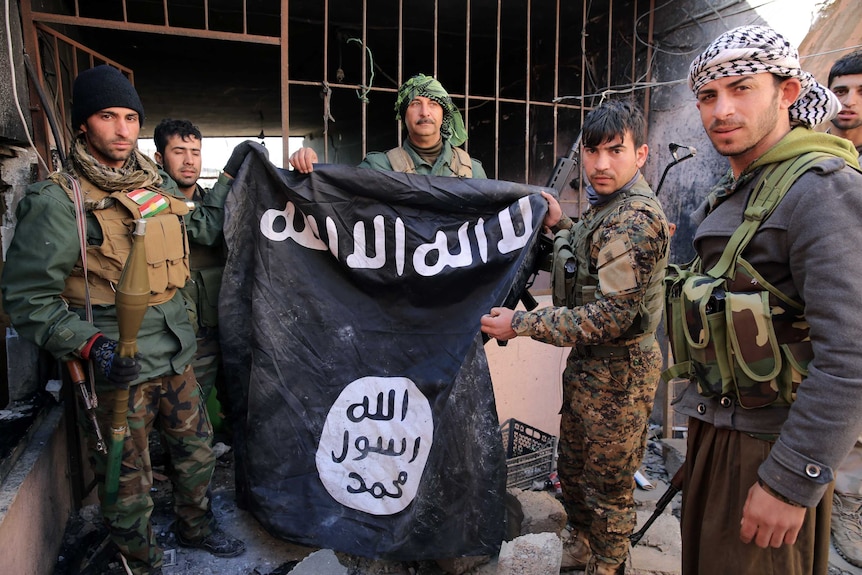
(400, 161)
(462, 165)
(770, 188)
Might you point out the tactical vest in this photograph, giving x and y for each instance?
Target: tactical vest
(165, 240)
(207, 268)
(731, 332)
(574, 280)
(461, 166)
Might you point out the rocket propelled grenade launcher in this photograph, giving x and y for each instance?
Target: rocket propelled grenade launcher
(133, 296)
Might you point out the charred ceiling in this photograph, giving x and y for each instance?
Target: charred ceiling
(523, 71)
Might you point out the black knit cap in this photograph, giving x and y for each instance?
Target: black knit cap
(99, 88)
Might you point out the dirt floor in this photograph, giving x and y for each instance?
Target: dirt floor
(86, 550)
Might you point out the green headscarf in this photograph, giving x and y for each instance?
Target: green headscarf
(421, 85)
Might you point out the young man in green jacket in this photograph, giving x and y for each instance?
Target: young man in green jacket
(178, 152)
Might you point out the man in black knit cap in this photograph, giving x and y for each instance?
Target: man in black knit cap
(62, 297)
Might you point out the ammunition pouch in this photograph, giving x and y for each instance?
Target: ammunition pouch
(731, 343)
(166, 251)
(564, 270)
(732, 332)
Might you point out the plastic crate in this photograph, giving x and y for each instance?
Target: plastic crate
(530, 453)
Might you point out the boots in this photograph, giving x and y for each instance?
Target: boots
(576, 551)
(847, 527)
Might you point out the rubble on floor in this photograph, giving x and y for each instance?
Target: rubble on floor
(537, 522)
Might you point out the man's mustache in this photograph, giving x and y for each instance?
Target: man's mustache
(719, 124)
(425, 121)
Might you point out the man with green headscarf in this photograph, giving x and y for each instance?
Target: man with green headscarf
(435, 129)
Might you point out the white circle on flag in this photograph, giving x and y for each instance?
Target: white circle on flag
(375, 444)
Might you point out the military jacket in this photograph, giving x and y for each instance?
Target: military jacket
(207, 256)
(379, 161)
(43, 252)
(808, 249)
(625, 254)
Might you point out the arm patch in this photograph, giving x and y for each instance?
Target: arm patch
(617, 269)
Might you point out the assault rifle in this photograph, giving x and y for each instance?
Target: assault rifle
(564, 176)
(566, 171)
(672, 489)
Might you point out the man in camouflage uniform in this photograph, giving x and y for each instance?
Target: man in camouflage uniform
(435, 129)
(619, 250)
(50, 291)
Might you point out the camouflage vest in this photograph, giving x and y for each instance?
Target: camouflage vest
(166, 246)
(574, 280)
(461, 165)
(731, 332)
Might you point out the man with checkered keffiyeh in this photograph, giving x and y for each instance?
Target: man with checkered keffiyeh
(757, 481)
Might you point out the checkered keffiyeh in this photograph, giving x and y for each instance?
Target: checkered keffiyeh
(757, 49)
(421, 85)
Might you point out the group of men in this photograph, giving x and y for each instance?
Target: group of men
(773, 405)
(757, 482)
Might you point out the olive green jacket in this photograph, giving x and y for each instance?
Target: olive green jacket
(379, 161)
(207, 251)
(43, 252)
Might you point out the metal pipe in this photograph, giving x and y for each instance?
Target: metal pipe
(284, 50)
(610, 42)
(327, 99)
(436, 34)
(363, 104)
(400, 74)
(155, 29)
(497, 96)
(467, 73)
(556, 80)
(648, 78)
(527, 94)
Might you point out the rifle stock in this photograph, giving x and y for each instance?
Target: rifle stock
(76, 374)
(674, 488)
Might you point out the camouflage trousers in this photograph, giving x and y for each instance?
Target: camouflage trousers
(606, 407)
(172, 403)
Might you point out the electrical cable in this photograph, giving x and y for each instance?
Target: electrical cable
(15, 86)
(365, 89)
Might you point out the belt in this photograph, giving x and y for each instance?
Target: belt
(615, 351)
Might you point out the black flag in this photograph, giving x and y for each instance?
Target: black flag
(349, 317)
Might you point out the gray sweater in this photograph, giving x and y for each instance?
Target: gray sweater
(809, 248)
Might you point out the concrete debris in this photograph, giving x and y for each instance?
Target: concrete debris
(532, 554)
(11, 414)
(462, 565)
(53, 386)
(319, 563)
(543, 513)
(219, 449)
(18, 409)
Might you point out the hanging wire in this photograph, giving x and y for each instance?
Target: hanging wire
(363, 95)
(327, 111)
